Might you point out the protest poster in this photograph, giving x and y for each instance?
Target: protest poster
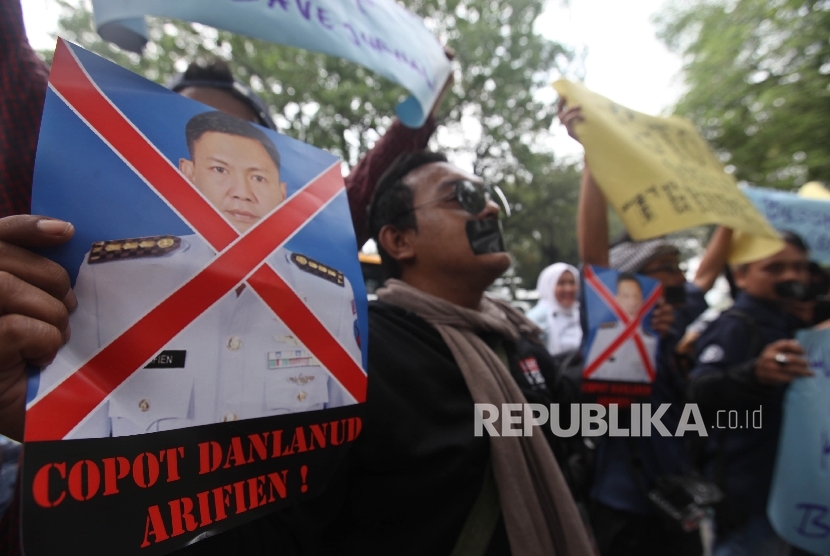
(381, 35)
(215, 368)
(799, 500)
(809, 218)
(619, 347)
(660, 175)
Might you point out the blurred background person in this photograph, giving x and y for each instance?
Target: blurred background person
(557, 312)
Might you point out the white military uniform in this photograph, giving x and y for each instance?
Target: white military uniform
(237, 360)
(625, 364)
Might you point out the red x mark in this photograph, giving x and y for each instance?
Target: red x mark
(631, 325)
(239, 259)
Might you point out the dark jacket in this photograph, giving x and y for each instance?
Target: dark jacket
(724, 379)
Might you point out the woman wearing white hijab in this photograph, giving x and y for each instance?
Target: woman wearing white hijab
(557, 312)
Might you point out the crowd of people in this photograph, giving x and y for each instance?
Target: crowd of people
(417, 480)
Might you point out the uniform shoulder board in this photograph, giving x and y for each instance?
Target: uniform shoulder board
(318, 269)
(132, 248)
(610, 324)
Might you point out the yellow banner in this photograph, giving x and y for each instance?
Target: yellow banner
(814, 190)
(660, 176)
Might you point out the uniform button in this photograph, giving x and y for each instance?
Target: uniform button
(230, 416)
(301, 396)
(144, 405)
(234, 343)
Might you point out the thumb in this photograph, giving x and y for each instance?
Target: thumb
(35, 231)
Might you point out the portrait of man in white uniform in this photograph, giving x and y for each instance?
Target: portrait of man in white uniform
(626, 363)
(237, 360)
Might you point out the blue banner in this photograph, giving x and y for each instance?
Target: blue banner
(809, 218)
(799, 501)
(378, 34)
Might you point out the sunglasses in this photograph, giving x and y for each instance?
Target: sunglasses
(471, 196)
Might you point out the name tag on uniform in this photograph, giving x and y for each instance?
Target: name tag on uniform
(168, 359)
(296, 357)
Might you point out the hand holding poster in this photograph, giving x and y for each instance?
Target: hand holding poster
(381, 35)
(659, 175)
(799, 500)
(221, 310)
(620, 348)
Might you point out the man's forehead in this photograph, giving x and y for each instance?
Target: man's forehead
(233, 149)
(437, 173)
(220, 138)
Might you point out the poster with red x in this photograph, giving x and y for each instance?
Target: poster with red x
(620, 347)
(215, 368)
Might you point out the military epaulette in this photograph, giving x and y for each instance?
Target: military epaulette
(132, 248)
(313, 267)
(610, 324)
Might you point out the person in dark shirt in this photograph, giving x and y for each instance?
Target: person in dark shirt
(745, 360)
(623, 518)
(420, 481)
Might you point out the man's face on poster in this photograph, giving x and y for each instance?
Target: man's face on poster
(629, 297)
(236, 175)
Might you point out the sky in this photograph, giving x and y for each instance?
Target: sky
(625, 61)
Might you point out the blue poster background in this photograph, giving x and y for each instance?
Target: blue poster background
(597, 312)
(78, 178)
(601, 326)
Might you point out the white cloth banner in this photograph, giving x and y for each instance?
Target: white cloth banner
(378, 34)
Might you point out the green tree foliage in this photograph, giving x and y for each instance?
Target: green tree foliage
(492, 113)
(758, 73)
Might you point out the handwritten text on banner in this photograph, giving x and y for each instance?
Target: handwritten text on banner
(809, 218)
(378, 34)
(658, 173)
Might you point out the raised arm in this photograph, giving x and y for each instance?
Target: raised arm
(592, 212)
(592, 221)
(398, 139)
(714, 259)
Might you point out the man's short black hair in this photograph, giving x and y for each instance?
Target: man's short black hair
(795, 240)
(392, 202)
(220, 122)
(212, 71)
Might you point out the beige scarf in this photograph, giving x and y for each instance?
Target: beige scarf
(539, 512)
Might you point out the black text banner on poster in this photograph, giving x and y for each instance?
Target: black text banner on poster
(631, 324)
(239, 258)
(155, 493)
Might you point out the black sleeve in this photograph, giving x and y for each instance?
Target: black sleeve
(724, 375)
